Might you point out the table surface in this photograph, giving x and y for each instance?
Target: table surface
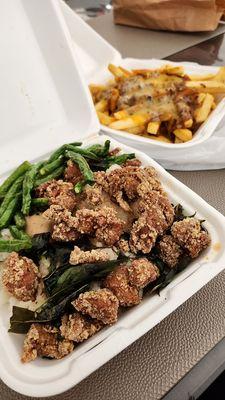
(152, 366)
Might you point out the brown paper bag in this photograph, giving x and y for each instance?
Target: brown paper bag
(171, 15)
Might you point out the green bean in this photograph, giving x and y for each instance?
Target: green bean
(100, 150)
(60, 151)
(50, 167)
(14, 245)
(24, 167)
(7, 216)
(14, 189)
(78, 188)
(120, 159)
(40, 202)
(50, 177)
(19, 234)
(82, 164)
(28, 185)
(19, 220)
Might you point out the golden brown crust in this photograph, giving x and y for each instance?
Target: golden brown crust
(78, 256)
(142, 272)
(59, 193)
(63, 224)
(118, 282)
(21, 277)
(142, 236)
(169, 250)
(78, 328)
(100, 304)
(43, 341)
(189, 235)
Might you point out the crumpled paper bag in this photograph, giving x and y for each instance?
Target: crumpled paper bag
(170, 15)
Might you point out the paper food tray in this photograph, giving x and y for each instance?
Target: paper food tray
(51, 77)
(95, 53)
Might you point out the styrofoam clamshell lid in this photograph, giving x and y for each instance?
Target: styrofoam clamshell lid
(44, 101)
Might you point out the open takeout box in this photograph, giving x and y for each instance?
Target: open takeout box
(58, 107)
(94, 54)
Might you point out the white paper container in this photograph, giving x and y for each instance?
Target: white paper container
(95, 54)
(63, 86)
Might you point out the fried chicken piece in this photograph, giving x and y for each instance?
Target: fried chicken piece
(118, 282)
(134, 162)
(142, 272)
(78, 328)
(78, 256)
(169, 251)
(43, 341)
(100, 304)
(155, 199)
(143, 235)
(72, 173)
(103, 224)
(128, 182)
(58, 192)
(63, 224)
(21, 277)
(93, 195)
(189, 234)
(123, 245)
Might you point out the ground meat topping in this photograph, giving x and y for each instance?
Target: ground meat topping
(59, 193)
(118, 282)
(21, 277)
(142, 272)
(72, 173)
(143, 235)
(78, 256)
(189, 234)
(100, 304)
(43, 341)
(169, 250)
(78, 328)
(63, 224)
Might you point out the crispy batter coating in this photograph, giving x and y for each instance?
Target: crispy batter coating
(78, 256)
(157, 200)
(63, 224)
(93, 194)
(118, 282)
(128, 182)
(189, 234)
(58, 192)
(78, 328)
(142, 272)
(103, 224)
(43, 341)
(72, 173)
(169, 250)
(143, 235)
(100, 304)
(123, 245)
(134, 162)
(21, 277)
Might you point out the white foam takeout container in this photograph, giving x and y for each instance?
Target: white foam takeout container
(53, 91)
(95, 53)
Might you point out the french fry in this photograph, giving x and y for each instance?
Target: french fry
(207, 86)
(201, 97)
(160, 138)
(203, 111)
(153, 127)
(188, 123)
(104, 118)
(172, 70)
(220, 76)
(126, 72)
(101, 105)
(116, 71)
(129, 122)
(95, 89)
(137, 130)
(183, 134)
(113, 99)
(205, 77)
(121, 114)
(177, 140)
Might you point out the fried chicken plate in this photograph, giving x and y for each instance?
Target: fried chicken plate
(112, 232)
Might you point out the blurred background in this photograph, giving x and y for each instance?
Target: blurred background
(90, 8)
